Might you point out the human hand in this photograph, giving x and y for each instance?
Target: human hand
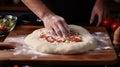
(100, 10)
(56, 25)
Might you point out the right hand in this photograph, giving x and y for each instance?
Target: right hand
(56, 25)
(100, 10)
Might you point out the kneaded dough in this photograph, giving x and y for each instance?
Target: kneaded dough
(36, 43)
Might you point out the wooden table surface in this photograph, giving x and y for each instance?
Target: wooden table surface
(101, 57)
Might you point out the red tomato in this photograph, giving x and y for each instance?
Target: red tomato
(43, 36)
(50, 39)
(3, 28)
(107, 22)
(59, 40)
(74, 39)
(115, 25)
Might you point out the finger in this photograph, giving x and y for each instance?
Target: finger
(57, 30)
(105, 14)
(63, 30)
(53, 33)
(92, 17)
(99, 19)
(66, 27)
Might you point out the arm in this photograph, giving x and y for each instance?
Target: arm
(38, 7)
(100, 10)
(56, 24)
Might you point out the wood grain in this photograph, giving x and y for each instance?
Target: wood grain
(91, 58)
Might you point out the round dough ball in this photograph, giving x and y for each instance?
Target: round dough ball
(36, 43)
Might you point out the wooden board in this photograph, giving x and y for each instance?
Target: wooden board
(92, 58)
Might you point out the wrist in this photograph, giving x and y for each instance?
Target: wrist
(47, 16)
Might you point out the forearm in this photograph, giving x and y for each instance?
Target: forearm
(111, 5)
(38, 7)
(104, 3)
(103, 0)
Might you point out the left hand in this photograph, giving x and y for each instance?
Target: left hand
(100, 10)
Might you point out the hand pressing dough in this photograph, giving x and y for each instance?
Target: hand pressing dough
(85, 41)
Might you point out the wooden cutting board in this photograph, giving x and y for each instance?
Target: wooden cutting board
(100, 57)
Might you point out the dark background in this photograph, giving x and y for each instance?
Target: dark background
(74, 11)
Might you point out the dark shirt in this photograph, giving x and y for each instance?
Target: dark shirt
(73, 11)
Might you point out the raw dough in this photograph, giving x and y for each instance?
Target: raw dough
(35, 42)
